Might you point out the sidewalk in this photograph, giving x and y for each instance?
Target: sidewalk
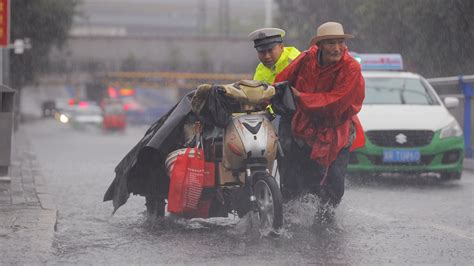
(27, 212)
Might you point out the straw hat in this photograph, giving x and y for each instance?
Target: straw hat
(330, 30)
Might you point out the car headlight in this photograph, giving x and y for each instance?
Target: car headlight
(63, 118)
(451, 130)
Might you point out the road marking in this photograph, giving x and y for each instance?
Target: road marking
(5, 179)
(445, 228)
(379, 216)
(452, 230)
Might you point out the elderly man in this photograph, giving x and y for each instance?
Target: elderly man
(329, 90)
(273, 55)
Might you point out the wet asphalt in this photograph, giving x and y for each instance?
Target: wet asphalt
(389, 220)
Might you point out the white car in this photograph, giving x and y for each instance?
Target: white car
(407, 128)
(82, 114)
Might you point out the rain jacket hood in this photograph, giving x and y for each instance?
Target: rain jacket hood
(329, 101)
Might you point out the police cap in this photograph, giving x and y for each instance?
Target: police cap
(266, 38)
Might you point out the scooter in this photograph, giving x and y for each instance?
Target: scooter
(244, 154)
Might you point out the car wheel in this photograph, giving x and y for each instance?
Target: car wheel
(451, 175)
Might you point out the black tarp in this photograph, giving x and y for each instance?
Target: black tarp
(142, 171)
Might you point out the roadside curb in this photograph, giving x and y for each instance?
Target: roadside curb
(46, 200)
(468, 164)
(28, 212)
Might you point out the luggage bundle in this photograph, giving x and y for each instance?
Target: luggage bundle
(190, 174)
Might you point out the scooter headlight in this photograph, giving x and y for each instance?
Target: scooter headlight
(451, 130)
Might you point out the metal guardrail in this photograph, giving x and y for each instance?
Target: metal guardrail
(157, 80)
(450, 80)
(464, 83)
(178, 75)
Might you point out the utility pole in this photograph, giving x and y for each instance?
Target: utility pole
(202, 16)
(268, 13)
(224, 19)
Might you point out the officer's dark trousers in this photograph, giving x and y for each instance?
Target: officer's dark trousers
(299, 174)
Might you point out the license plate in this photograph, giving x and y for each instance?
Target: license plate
(401, 156)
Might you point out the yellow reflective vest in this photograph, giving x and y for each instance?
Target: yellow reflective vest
(266, 74)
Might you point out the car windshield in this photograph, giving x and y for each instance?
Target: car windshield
(397, 91)
(112, 109)
(88, 110)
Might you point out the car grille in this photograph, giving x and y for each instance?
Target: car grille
(378, 160)
(400, 138)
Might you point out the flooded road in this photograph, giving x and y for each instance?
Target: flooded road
(389, 221)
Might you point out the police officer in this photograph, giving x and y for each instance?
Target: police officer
(273, 55)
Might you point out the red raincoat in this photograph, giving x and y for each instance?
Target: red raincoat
(329, 101)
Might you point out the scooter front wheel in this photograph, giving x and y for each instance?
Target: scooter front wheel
(269, 201)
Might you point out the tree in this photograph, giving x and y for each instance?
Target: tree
(45, 23)
(300, 18)
(435, 37)
(434, 41)
(130, 63)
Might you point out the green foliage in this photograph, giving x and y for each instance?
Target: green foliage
(435, 37)
(130, 63)
(300, 18)
(46, 23)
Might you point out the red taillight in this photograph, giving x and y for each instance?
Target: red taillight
(83, 104)
(71, 102)
(112, 92)
(127, 92)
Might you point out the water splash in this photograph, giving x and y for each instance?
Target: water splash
(250, 225)
(301, 211)
(171, 221)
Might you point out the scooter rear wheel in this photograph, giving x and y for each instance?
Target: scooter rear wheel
(269, 201)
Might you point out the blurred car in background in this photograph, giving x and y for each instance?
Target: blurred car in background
(143, 106)
(81, 114)
(408, 128)
(52, 106)
(48, 108)
(87, 114)
(114, 115)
